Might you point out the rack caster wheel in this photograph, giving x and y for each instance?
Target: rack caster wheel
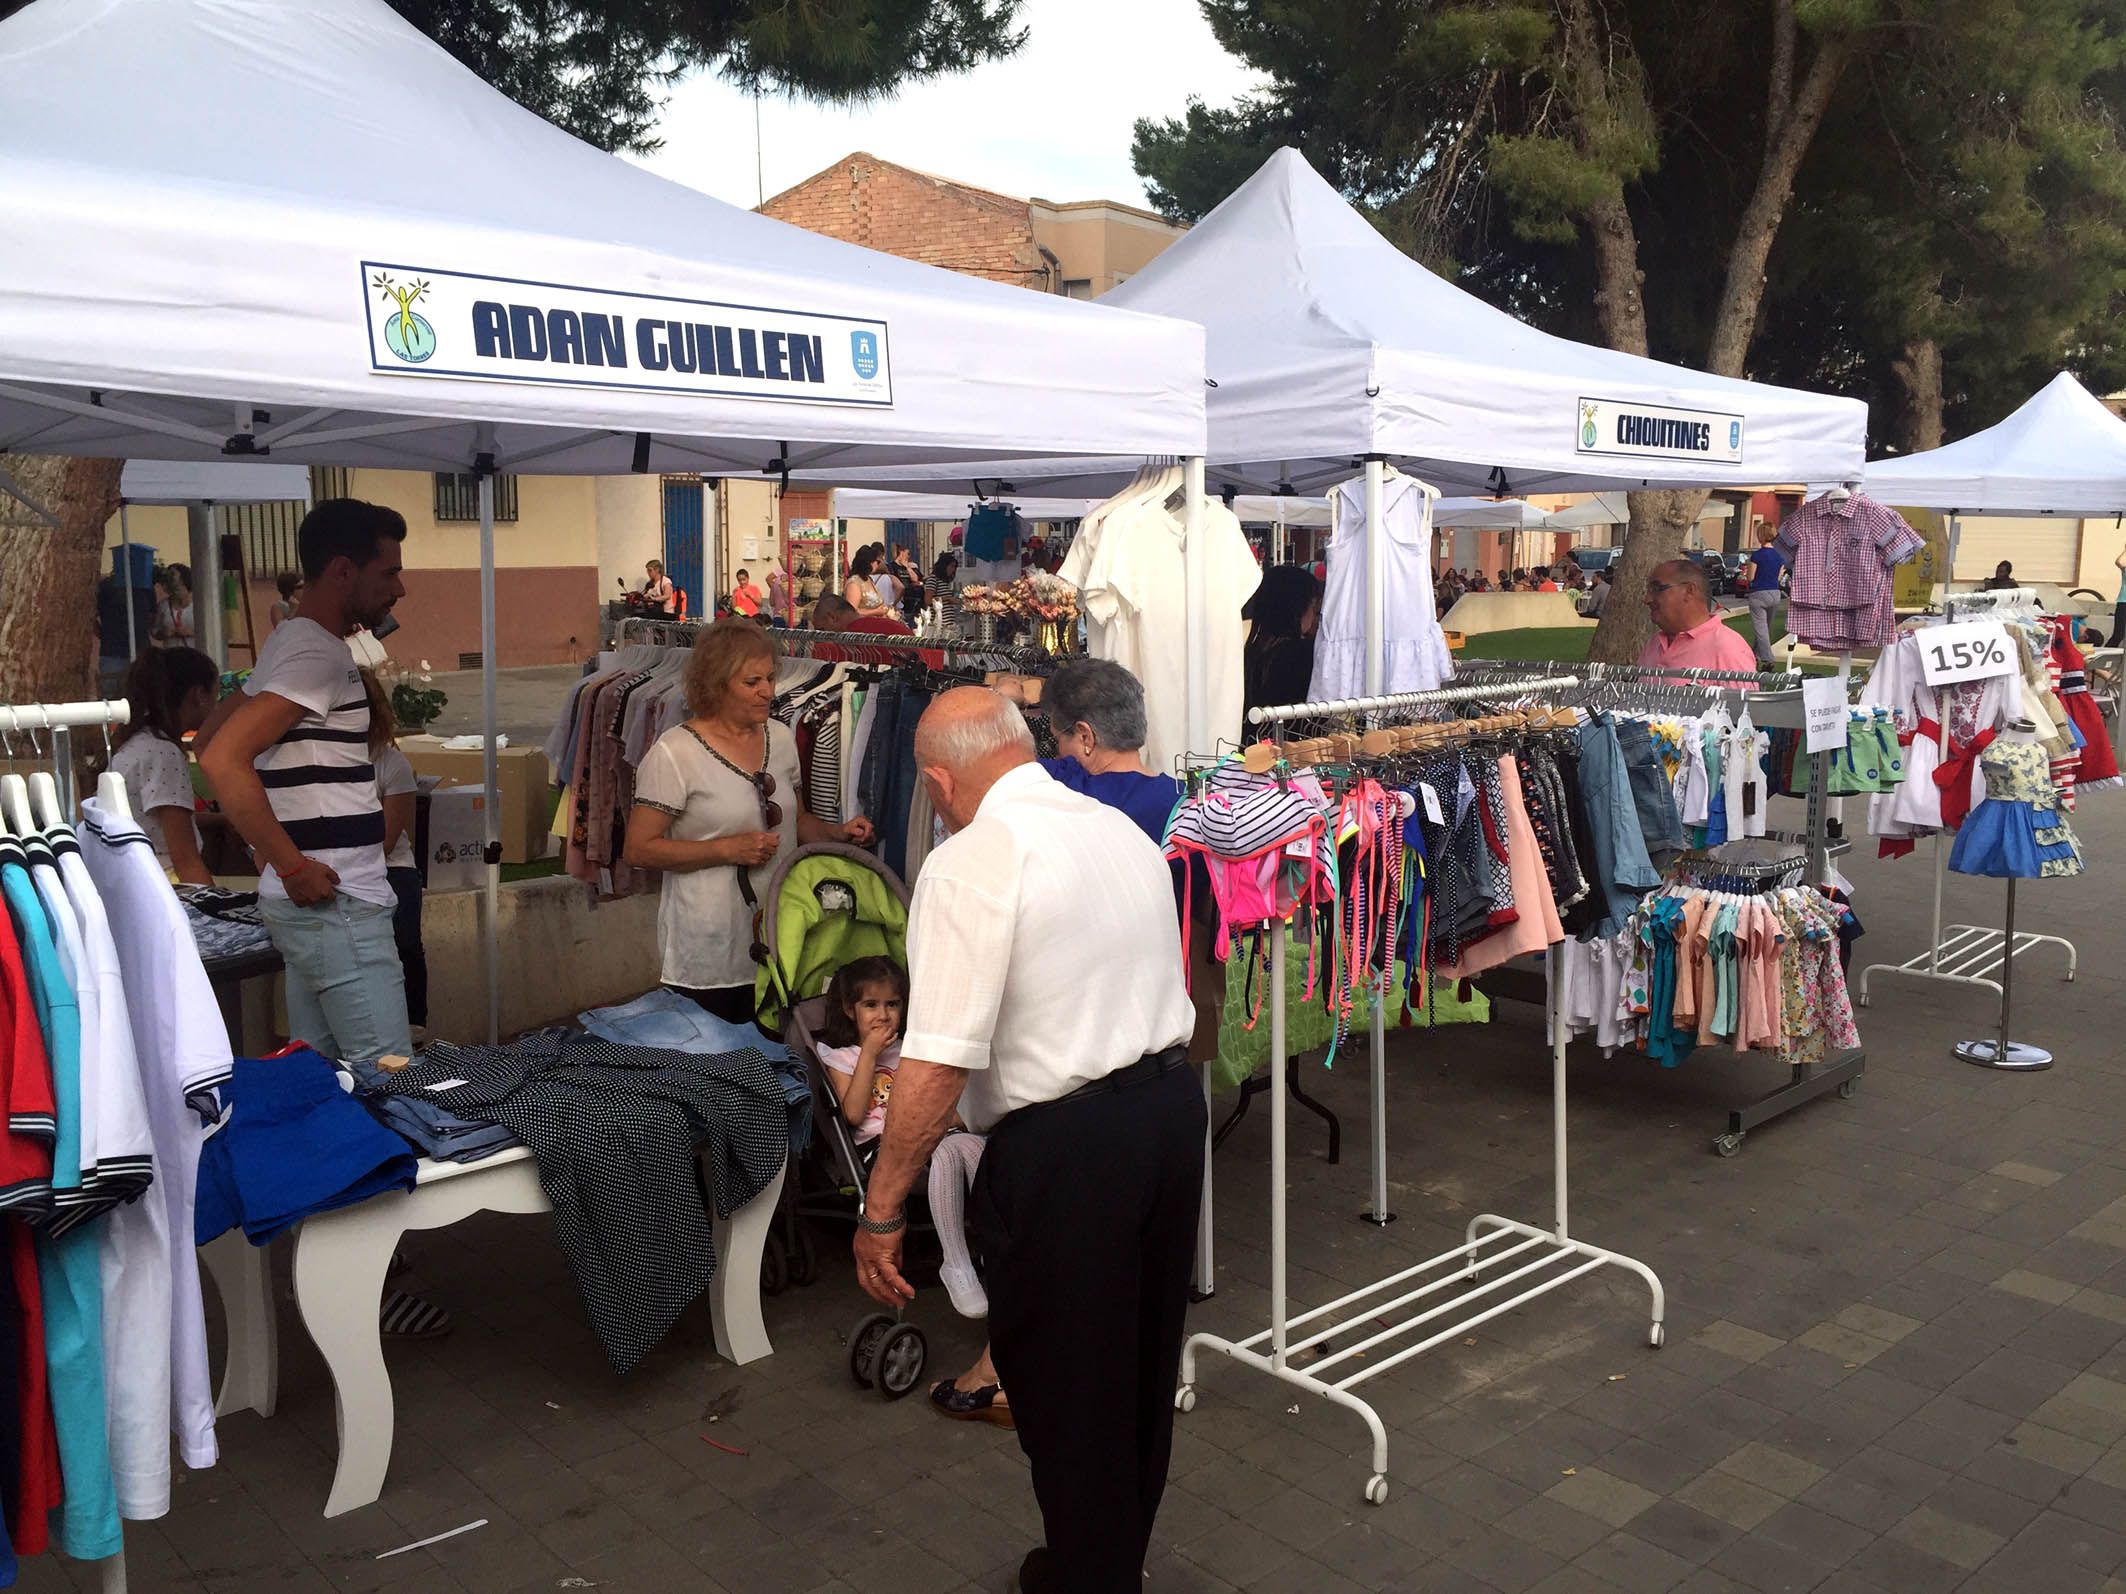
(1726, 1145)
(1849, 1089)
(1185, 1398)
(863, 1347)
(1377, 1489)
(1657, 1336)
(898, 1366)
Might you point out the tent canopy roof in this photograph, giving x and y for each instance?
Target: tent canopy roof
(2061, 453)
(1327, 344)
(210, 203)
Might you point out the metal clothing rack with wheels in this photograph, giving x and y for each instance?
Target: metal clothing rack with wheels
(1970, 954)
(58, 721)
(1503, 1263)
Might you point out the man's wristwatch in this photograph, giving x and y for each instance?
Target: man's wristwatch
(892, 1225)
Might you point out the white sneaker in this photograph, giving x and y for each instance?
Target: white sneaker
(964, 1286)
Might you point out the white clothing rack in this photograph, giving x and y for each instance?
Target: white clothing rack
(1499, 1252)
(60, 719)
(1970, 954)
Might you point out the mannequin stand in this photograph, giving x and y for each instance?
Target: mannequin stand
(2004, 1054)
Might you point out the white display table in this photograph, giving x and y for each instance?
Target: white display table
(340, 1260)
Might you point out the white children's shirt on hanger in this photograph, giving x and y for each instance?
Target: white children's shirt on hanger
(1414, 656)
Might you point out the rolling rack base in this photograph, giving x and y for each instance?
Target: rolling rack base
(1967, 954)
(1457, 1289)
(1809, 1081)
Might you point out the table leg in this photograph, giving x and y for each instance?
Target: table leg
(243, 1278)
(734, 1296)
(340, 1260)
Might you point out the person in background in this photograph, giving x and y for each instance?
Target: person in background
(1047, 1008)
(1277, 666)
(171, 693)
(883, 578)
(1767, 564)
(301, 723)
(173, 611)
(1688, 630)
(1549, 583)
(657, 589)
(942, 587)
(908, 583)
(2002, 578)
(860, 591)
(717, 806)
(399, 792)
(1597, 598)
(2118, 612)
(779, 597)
(288, 583)
(745, 597)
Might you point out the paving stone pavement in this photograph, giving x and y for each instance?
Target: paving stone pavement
(1894, 1361)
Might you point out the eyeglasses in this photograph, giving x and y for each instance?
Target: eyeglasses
(1654, 589)
(770, 811)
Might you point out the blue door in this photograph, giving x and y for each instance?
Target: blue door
(683, 501)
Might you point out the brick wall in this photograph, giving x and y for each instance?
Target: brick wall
(865, 200)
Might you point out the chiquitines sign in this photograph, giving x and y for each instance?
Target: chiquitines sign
(1649, 431)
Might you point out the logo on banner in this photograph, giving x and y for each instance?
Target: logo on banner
(1588, 411)
(1734, 436)
(863, 353)
(407, 335)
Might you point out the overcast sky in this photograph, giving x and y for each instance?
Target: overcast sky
(1052, 122)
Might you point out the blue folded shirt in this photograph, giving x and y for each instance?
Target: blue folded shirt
(291, 1144)
(668, 1021)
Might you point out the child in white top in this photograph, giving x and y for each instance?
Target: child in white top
(867, 1005)
(861, 1039)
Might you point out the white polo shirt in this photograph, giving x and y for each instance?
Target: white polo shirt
(1043, 949)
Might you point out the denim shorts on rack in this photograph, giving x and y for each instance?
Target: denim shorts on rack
(1651, 792)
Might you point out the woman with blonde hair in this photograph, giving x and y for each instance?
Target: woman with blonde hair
(717, 807)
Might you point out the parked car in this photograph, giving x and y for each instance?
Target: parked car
(1720, 574)
(1593, 560)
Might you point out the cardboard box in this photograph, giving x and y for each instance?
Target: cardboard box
(521, 778)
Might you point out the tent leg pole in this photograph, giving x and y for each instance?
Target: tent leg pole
(491, 926)
(1196, 629)
(125, 552)
(1376, 671)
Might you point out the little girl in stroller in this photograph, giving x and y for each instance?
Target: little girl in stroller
(860, 1046)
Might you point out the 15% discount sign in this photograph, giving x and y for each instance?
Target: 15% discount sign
(1969, 650)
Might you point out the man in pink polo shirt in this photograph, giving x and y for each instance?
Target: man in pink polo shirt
(1689, 633)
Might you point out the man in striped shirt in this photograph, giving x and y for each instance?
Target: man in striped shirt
(289, 763)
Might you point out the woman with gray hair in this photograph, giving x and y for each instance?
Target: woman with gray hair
(1096, 708)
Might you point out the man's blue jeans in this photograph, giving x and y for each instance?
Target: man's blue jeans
(346, 991)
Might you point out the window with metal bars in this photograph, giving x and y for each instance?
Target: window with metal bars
(269, 530)
(458, 496)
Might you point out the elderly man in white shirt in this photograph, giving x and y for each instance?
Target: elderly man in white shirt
(1047, 1005)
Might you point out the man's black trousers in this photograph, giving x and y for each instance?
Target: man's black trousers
(1085, 1214)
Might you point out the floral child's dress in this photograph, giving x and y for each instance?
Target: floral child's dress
(2019, 832)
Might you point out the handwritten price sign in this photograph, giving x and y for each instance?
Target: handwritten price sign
(1970, 650)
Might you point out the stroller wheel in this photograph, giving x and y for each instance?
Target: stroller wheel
(774, 1266)
(804, 1257)
(863, 1346)
(902, 1355)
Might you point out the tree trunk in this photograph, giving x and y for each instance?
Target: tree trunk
(1918, 373)
(48, 576)
(1660, 522)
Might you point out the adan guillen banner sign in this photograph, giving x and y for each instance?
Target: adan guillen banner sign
(506, 329)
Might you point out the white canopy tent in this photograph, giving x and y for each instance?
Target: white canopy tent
(2061, 453)
(854, 503)
(1614, 509)
(297, 228)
